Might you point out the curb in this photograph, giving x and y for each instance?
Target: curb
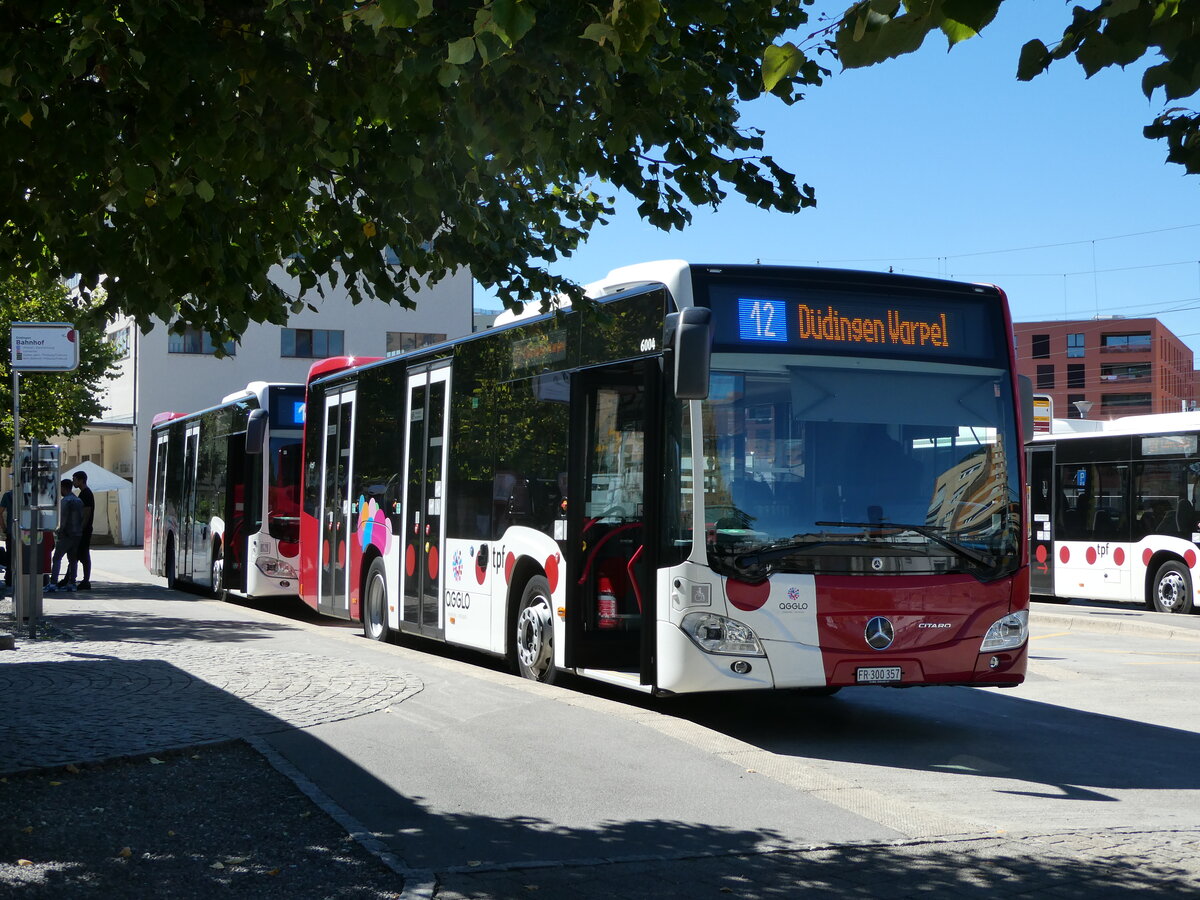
(1128, 623)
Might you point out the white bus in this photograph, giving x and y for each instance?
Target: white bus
(223, 494)
(720, 478)
(1114, 512)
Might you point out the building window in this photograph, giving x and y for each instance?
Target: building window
(193, 340)
(1075, 375)
(1041, 346)
(1072, 409)
(406, 341)
(1075, 345)
(1045, 378)
(1124, 404)
(311, 343)
(1125, 343)
(120, 340)
(1139, 372)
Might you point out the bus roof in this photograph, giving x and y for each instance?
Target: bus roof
(1156, 423)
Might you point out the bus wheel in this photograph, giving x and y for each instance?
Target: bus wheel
(169, 567)
(218, 576)
(535, 632)
(374, 615)
(1172, 588)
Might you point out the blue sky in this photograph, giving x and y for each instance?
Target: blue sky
(944, 164)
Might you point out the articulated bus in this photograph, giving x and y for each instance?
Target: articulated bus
(223, 494)
(714, 478)
(1114, 512)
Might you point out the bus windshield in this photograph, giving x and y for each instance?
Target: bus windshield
(836, 466)
(283, 498)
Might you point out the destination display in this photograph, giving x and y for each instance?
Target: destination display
(845, 322)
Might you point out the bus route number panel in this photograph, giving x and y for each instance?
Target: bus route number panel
(837, 322)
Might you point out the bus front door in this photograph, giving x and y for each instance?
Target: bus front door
(613, 513)
(336, 507)
(423, 534)
(1041, 525)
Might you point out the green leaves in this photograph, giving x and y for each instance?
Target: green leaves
(1111, 33)
(876, 30)
(182, 149)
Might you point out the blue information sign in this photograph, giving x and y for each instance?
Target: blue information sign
(762, 320)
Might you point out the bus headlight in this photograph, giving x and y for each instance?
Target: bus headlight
(275, 568)
(1007, 634)
(717, 634)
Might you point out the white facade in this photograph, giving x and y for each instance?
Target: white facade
(152, 379)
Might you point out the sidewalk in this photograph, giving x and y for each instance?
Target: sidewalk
(138, 760)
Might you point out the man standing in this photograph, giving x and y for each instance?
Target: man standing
(83, 553)
(66, 537)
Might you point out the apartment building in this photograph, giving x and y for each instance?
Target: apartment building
(163, 372)
(1120, 366)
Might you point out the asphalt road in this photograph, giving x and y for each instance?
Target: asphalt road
(464, 765)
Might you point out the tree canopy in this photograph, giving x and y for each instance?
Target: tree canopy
(177, 149)
(53, 403)
(1107, 33)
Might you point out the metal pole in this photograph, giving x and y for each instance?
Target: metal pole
(14, 539)
(35, 545)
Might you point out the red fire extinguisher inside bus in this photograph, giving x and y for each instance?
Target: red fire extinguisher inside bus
(606, 603)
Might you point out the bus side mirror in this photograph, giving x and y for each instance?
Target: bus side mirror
(1025, 385)
(256, 431)
(688, 334)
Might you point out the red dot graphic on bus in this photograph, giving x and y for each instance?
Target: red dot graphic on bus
(325, 554)
(480, 571)
(1040, 553)
(509, 562)
(410, 560)
(1146, 556)
(1064, 555)
(1091, 556)
(552, 571)
(341, 554)
(431, 561)
(1119, 556)
(1190, 559)
(747, 597)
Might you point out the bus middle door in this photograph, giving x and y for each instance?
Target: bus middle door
(423, 534)
(336, 507)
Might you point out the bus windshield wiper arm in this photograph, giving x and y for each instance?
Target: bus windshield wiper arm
(983, 559)
(754, 557)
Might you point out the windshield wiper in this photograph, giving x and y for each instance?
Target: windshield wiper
(975, 556)
(753, 558)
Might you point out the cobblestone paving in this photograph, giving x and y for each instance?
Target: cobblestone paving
(83, 701)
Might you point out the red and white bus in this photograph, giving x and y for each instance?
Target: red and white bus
(1114, 512)
(223, 494)
(717, 478)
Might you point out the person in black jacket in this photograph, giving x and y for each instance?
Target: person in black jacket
(83, 553)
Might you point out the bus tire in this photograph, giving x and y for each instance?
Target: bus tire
(533, 637)
(169, 565)
(1172, 591)
(374, 611)
(218, 575)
